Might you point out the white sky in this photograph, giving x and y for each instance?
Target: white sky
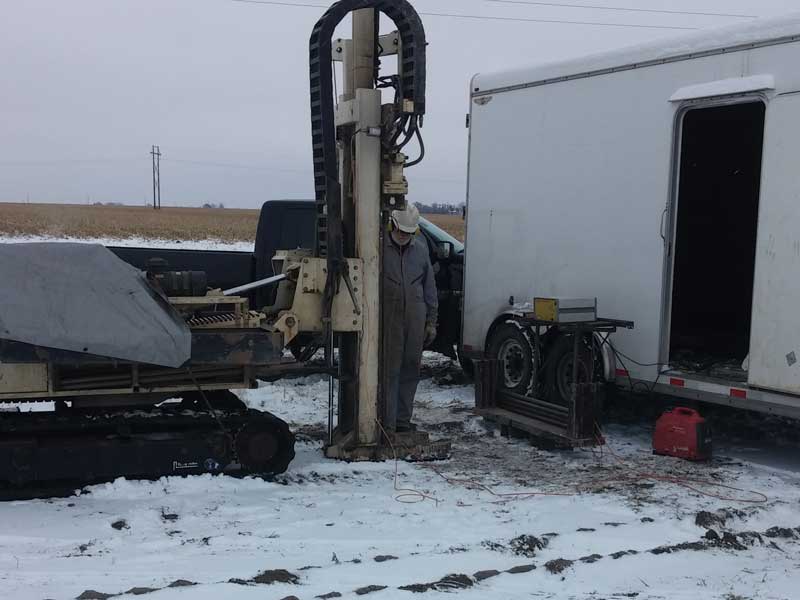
(89, 85)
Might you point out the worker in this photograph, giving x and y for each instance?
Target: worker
(410, 306)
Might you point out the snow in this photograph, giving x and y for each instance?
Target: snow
(327, 521)
(724, 87)
(135, 242)
(751, 32)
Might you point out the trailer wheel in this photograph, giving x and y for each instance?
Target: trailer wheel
(511, 345)
(559, 369)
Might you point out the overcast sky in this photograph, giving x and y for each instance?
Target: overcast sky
(222, 86)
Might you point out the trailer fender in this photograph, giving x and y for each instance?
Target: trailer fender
(508, 316)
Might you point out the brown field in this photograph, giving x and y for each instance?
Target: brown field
(452, 224)
(119, 222)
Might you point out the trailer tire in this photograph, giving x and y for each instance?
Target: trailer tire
(510, 343)
(558, 369)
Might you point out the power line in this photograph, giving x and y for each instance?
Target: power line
(228, 165)
(625, 9)
(486, 17)
(64, 161)
(193, 162)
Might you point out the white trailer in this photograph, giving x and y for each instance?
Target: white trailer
(664, 180)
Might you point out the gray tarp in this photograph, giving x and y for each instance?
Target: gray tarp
(82, 298)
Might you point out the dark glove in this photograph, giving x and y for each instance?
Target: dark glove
(430, 333)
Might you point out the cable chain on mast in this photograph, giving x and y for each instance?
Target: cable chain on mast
(412, 95)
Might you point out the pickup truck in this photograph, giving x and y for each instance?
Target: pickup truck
(287, 224)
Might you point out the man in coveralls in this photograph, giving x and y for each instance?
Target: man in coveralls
(410, 306)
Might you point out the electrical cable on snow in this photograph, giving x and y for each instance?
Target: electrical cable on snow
(405, 495)
(689, 483)
(502, 496)
(413, 496)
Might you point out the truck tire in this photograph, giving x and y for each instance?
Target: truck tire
(558, 369)
(511, 344)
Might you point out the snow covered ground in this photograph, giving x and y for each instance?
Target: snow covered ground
(597, 528)
(135, 242)
(617, 523)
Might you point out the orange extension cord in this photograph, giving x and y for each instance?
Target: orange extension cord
(413, 496)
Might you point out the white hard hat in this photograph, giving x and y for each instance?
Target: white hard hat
(406, 220)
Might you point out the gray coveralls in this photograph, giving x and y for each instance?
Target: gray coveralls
(410, 301)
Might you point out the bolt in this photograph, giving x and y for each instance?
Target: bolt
(355, 322)
(305, 289)
(355, 290)
(291, 322)
(355, 278)
(355, 267)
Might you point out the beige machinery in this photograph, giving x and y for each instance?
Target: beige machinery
(102, 340)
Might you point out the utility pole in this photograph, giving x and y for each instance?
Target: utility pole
(156, 153)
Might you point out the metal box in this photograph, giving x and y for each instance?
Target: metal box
(565, 310)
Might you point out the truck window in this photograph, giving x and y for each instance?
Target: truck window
(440, 235)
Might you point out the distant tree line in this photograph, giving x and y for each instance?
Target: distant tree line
(212, 205)
(439, 208)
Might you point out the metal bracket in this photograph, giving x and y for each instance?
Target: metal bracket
(347, 314)
(289, 326)
(394, 180)
(388, 45)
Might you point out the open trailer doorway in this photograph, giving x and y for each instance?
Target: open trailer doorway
(719, 182)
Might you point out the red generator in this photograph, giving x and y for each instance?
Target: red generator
(683, 433)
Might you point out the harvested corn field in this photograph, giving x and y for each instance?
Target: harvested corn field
(123, 222)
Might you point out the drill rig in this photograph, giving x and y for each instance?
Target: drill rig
(136, 367)
(359, 178)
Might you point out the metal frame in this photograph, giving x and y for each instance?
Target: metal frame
(720, 392)
(572, 425)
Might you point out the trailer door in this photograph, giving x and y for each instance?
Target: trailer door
(775, 335)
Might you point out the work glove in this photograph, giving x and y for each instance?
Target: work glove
(430, 333)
